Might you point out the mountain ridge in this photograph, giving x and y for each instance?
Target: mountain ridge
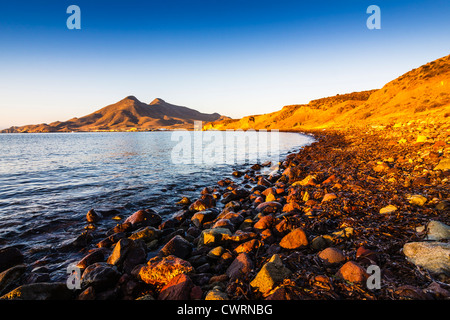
(128, 114)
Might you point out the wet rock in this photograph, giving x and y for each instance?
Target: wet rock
(417, 199)
(295, 239)
(93, 217)
(437, 230)
(146, 234)
(433, 256)
(236, 194)
(160, 270)
(100, 275)
(269, 207)
(331, 256)
(97, 255)
(10, 257)
(177, 246)
(216, 294)
(178, 288)
(240, 267)
(216, 252)
(39, 291)
(146, 217)
(352, 272)
(272, 273)
(127, 254)
(10, 277)
(185, 201)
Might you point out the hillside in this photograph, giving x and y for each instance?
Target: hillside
(421, 93)
(129, 114)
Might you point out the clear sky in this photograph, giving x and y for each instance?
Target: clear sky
(235, 57)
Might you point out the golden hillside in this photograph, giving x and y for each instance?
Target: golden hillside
(422, 93)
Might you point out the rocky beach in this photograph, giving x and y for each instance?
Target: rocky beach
(314, 228)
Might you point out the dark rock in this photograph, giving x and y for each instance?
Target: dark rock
(40, 291)
(100, 275)
(10, 257)
(240, 267)
(269, 207)
(10, 277)
(177, 246)
(146, 217)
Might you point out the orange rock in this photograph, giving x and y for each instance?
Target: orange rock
(331, 256)
(294, 240)
(353, 272)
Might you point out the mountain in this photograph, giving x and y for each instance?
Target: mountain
(422, 93)
(129, 114)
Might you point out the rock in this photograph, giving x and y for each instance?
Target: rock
(328, 197)
(271, 273)
(40, 291)
(264, 222)
(321, 242)
(433, 256)
(269, 207)
(444, 164)
(214, 237)
(93, 217)
(236, 194)
(127, 254)
(438, 231)
(381, 167)
(178, 288)
(331, 256)
(411, 292)
(97, 255)
(309, 180)
(294, 240)
(10, 257)
(185, 201)
(224, 223)
(293, 206)
(240, 267)
(216, 252)
(177, 246)
(388, 209)
(421, 138)
(160, 270)
(352, 272)
(216, 294)
(146, 217)
(100, 275)
(10, 277)
(417, 199)
(205, 202)
(248, 246)
(146, 234)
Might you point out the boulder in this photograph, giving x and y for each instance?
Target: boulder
(93, 217)
(444, 164)
(417, 199)
(146, 234)
(388, 209)
(240, 267)
(177, 246)
(214, 237)
(294, 240)
(160, 270)
(10, 276)
(146, 217)
(178, 288)
(271, 273)
(437, 230)
(331, 256)
(10, 257)
(201, 217)
(269, 207)
(352, 272)
(40, 291)
(100, 275)
(433, 256)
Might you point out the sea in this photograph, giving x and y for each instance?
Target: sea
(49, 181)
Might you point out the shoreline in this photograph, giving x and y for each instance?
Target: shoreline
(351, 199)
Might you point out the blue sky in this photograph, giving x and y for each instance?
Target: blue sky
(233, 57)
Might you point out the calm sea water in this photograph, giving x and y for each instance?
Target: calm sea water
(48, 182)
